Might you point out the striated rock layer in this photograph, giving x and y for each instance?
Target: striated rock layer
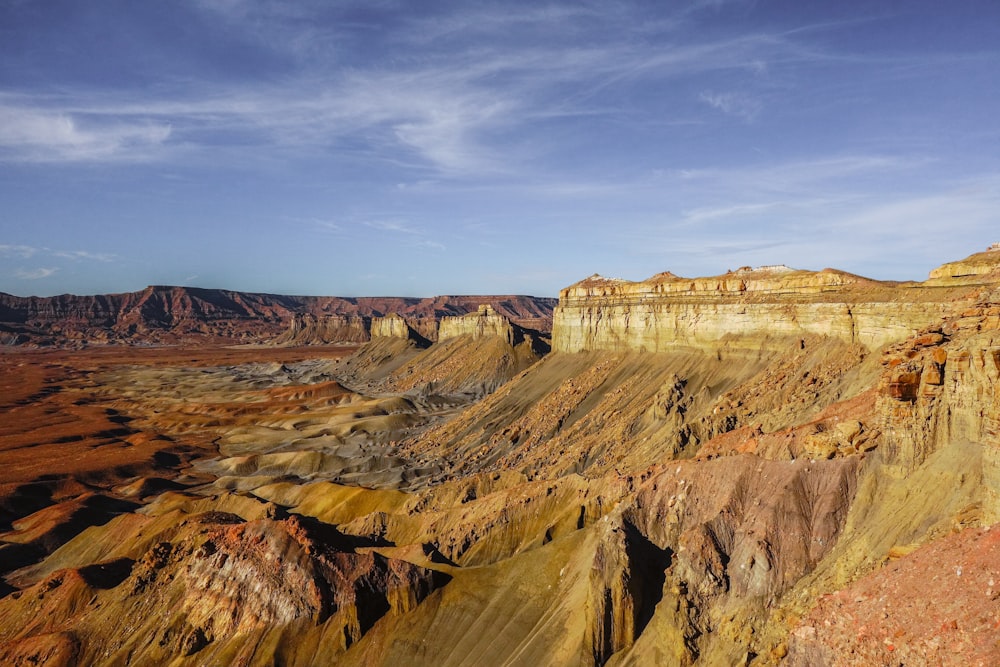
(170, 315)
(309, 329)
(483, 323)
(748, 306)
(390, 326)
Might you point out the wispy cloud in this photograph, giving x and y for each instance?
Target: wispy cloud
(23, 251)
(318, 224)
(832, 222)
(735, 104)
(452, 110)
(799, 175)
(84, 254)
(26, 252)
(432, 245)
(35, 274)
(392, 226)
(702, 214)
(33, 134)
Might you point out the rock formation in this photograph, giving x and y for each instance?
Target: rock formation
(484, 322)
(309, 329)
(171, 315)
(972, 268)
(474, 354)
(390, 326)
(747, 306)
(767, 467)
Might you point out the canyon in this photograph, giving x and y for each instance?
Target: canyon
(172, 315)
(766, 467)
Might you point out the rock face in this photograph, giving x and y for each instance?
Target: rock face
(748, 306)
(309, 329)
(390, 326)
(211, 586)
(885, 618)
(170, 315)
(473, 355)
(484, 322)
(975, 266)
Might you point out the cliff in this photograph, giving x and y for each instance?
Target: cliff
(172, 315)
(309, 329)
(748, 307)
(390, 326)
(484, 322)
(974, 267)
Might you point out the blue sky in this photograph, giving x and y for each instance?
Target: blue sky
(421, 148)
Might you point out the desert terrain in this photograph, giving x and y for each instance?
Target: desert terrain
(767, 467)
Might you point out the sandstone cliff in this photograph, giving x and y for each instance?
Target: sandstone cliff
(309, 329)
(748, 306)
(473, 355)
(484, 322)
(390, 326)
(973, 268)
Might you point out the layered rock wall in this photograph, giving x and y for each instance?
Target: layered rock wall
(309, 329)
(390, 326)
(747, 307)
(485, 322)
(974, 266)
(169, 315)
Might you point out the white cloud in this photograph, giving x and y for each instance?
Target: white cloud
(448, 110)
(711, 213)
(326, 225)
(26, 252)
(84, 254)
(23, 251)
(35, 274)
(392, 226)
(797, 176)
(32, 134)
(832, 222)
(433, 245)
(734, 104)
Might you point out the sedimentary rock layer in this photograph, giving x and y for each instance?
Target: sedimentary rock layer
(748, 306)
(309, 329)
(161, 314)
(390, 326)
(484, 322)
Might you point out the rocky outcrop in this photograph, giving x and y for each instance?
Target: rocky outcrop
(309, 329)
(971, 269)
(215, 587)
(747, 307)
(484, 322)
(885, 618)
(390, 326)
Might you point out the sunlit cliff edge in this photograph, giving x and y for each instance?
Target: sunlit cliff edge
(750, 304)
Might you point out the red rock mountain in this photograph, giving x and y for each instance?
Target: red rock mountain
(163, 314)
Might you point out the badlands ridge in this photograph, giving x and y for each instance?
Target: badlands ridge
(766, 467)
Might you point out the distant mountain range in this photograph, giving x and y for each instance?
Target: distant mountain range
(163, 315)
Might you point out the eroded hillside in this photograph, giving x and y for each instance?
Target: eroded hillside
(767, 467)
